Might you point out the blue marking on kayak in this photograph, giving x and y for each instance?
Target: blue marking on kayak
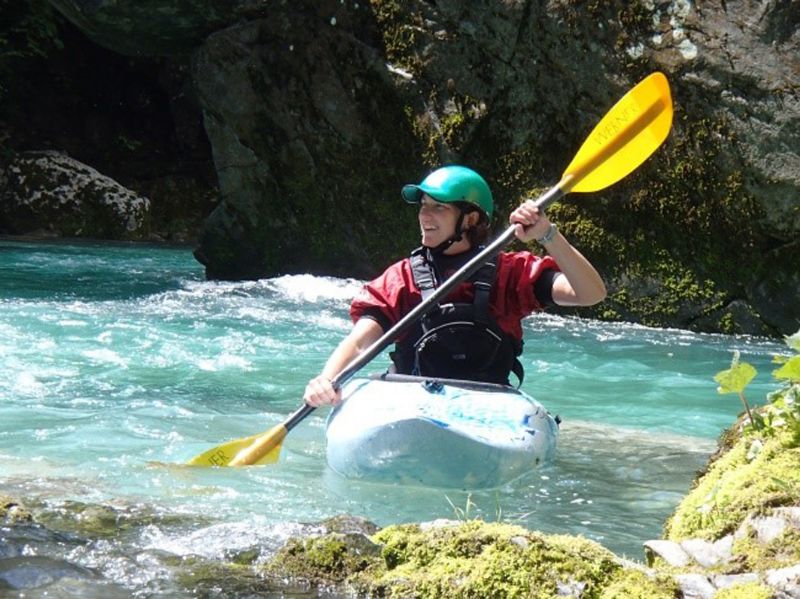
(439, 423)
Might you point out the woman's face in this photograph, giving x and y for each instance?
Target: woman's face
(437, 221)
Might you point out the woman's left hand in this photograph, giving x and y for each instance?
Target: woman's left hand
(531, 222)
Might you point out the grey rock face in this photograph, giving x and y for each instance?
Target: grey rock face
(305, 132)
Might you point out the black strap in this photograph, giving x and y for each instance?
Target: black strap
(422, 269)
(426, 281)
(518, 371)
(482, 286)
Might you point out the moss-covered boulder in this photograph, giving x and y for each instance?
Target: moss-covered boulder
(738, 530)
(759, 472)
(476, 559)
(464, 559)
(11, 511)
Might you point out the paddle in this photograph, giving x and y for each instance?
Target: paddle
(630, 132)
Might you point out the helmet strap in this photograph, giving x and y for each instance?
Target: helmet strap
(456, 237)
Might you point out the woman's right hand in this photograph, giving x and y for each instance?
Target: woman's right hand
(320, 392)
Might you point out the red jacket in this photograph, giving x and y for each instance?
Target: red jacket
(393, 294)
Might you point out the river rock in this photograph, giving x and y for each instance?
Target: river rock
(785, 579)
(695, 586)
(34, 571)
(708, 554)
(11, 512)
(769, 527)
(51, 192)
(724, 581)
(669, 551)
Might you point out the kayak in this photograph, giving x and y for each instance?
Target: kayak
(437, 432)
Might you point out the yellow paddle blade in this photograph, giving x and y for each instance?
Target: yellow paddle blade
(265, 449)
(224, 455)
(632, 130)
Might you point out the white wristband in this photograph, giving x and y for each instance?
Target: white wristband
(548, 237)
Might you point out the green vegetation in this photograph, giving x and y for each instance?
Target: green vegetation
(322, 560)
(783, 413)
(477, 559)
(466, 559)
(735, 379)
(631, 583)
(750, 590)
(401, 35)
(761, 470)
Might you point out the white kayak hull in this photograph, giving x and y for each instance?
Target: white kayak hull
(437, 432)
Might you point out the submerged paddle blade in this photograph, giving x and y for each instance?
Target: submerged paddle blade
(266, 452)
(629, 133)
(265, 449)
(221, 455)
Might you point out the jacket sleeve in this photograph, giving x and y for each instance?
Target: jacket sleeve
(517, 274)
(387, 298)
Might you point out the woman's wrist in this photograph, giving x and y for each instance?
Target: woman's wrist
(549, 236)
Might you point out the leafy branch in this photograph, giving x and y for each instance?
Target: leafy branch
(784, 410)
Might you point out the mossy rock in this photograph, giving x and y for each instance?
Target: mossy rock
(781, 552)
(750, 590)
(476, 559)
(471, 559)
(11, 511)
(757, 473)
(632, 583)
(325, 559)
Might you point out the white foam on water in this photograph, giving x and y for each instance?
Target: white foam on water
(225, 362)
(106, 356)
(220, 541)
(309, 288)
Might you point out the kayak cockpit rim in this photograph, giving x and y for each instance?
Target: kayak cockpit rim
(432, 380)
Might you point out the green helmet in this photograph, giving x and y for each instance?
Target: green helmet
(452, 184)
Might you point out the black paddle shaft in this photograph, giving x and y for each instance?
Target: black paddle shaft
(447, 287)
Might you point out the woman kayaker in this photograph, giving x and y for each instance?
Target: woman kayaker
(477, 335)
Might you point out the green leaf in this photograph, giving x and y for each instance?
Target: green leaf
(736, 378)
(789, 371)
(793, 341)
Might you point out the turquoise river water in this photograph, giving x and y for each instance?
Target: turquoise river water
(121, 362)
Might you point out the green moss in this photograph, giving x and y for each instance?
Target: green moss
(476, 559)
(676, 223)
(11, 511)
(635, 584)
(402, 35)
(749, 590)
(663, 237)
(739, 483)
(781, 552)
(206, 578)
(322, 560)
